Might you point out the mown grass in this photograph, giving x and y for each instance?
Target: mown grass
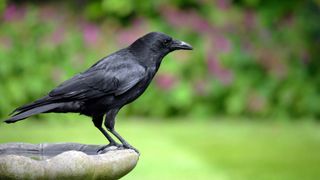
(185, 149)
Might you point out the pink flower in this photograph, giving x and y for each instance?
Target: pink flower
(165, 81)
(127, 36)
(188, 19)
(221, 44)
(215, 68)
(250, 19)
(12, 12)
(58, 35)
(223, 4)
(90, 33)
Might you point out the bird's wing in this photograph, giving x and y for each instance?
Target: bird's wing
(114, 78)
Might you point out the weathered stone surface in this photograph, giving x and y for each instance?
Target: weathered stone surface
(64, 161)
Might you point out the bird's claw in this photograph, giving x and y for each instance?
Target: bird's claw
(117, 146)
(128, 146)
(108, 147)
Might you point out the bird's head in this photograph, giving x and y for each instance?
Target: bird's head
(160, 43)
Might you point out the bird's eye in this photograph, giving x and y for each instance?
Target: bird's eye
(166, 41)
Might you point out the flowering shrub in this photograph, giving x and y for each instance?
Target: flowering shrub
(252, 58)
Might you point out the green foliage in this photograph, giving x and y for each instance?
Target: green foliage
(250, 58)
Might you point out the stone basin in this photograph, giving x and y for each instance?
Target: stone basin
(64, 161)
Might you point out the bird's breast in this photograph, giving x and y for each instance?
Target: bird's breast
(136, 91)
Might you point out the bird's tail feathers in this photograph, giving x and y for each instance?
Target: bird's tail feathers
(43, 101)
(23, 114)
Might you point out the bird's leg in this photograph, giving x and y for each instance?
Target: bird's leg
(125, 144)
(110, 122)
(121, 139)
(97, 121)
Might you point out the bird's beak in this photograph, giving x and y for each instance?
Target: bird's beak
(176, 45)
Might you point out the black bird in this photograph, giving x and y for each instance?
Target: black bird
(108, 85)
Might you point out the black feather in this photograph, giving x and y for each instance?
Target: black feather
(25, 114)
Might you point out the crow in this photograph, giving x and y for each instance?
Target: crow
(108, 85)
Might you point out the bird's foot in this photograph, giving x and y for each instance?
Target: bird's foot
(128, 146)
(113, 146)
(110, 146)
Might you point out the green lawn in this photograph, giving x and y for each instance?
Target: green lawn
(184, 149)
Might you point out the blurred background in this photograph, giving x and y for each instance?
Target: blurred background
(244, 104)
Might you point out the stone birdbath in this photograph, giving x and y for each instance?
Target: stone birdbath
(64, 161)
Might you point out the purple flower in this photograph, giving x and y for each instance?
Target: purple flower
(250, 19)
(223, 4)
(221, 44)
(215, 68)
(189, 19)
(90, 33)
(165, 81)
(12, 12)
(137, 29)
(58, 35)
